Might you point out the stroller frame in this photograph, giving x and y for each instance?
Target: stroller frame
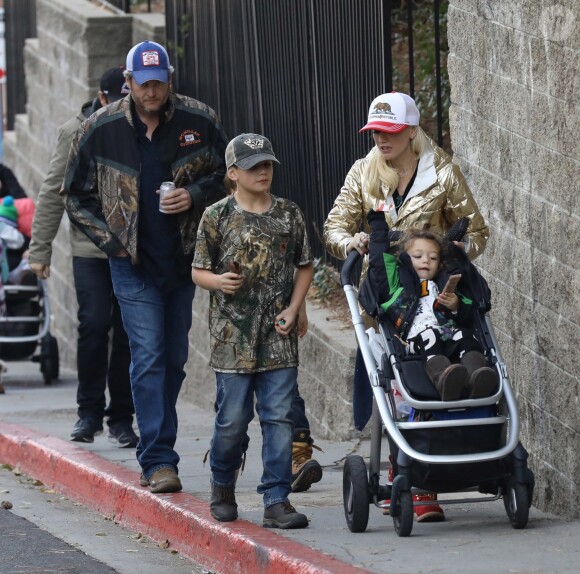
(510, 478)
(20, 347)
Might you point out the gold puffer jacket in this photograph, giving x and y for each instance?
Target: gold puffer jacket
(439, 197)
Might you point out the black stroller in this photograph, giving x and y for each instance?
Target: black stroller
(444, 447)
(26, 326)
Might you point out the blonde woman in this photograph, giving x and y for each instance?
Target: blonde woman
(415, 183)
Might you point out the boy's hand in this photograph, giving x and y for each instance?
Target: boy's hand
(284, 322)
(230, 282)
(449, 300)
(302, 322)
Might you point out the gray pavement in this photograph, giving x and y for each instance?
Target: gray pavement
(475, 538)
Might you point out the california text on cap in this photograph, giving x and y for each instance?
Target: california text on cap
(148, 61)
(113, 84)
(247, 150)
(392, 113)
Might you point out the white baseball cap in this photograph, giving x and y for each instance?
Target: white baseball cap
(392, 113)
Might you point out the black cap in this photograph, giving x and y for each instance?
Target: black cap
(113, 84)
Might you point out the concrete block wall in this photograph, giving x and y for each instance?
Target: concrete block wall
(515, 118)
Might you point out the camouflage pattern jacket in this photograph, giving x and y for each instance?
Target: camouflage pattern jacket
(102, 181)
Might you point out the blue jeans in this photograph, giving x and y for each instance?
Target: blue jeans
(98, 313)
(274, 392)
(157, 324)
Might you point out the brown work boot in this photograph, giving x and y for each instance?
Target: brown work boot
(449, 380)
(283, 515)
(164, 480)
(222, 504)
(483, 379)
(305, 470)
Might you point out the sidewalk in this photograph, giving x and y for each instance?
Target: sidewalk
(35, 422)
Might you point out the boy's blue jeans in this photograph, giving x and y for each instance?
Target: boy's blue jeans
(157, 324)
(274, 391)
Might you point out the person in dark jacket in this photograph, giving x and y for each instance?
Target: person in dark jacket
(432, 321)
(119, 158)
(98, 366)
(9, 185)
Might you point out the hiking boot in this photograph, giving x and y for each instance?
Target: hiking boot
(283, 515)
(428, 512)
(122, 435)
(143, 481)
(483, 379)
(164, 480)
(85, 430)
(222, 504)
(305, 470)
(449, 380)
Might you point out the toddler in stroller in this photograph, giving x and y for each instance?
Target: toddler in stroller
(462, 433)
(417, 292)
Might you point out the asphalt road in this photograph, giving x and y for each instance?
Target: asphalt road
(45, 532)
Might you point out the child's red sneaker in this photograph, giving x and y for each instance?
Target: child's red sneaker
(428, 512)
(390, 479)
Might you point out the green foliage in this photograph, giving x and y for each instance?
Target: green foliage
(325, 281)
(424, 55)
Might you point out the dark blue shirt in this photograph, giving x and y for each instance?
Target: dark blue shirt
(159, 241)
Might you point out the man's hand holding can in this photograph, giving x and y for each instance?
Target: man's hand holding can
(165, 188)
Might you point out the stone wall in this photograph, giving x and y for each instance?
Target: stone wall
(515, 117)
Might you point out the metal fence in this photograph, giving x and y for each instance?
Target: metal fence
(303, 73)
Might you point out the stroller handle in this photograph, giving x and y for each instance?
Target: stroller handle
(349, 266)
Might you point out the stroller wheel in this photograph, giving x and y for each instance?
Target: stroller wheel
(355, 493)
(49, 359)
(403, 520)
(517, 503)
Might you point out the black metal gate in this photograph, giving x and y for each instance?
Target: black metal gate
(303, 73)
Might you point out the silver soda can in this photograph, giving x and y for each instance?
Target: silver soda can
(165, 188)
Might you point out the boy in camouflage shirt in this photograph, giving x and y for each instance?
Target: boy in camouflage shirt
(253, 255)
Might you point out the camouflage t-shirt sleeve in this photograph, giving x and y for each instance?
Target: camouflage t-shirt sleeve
(303, 249)
(208, 239)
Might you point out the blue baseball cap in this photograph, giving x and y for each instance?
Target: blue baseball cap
(148, 61)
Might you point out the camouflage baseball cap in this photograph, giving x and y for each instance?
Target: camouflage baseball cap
(247, 150)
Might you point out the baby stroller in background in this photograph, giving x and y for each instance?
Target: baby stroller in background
(26, 325)
(443, 447)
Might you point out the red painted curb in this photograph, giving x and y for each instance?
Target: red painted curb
(183, 520)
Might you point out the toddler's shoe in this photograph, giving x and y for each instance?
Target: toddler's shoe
(428, 512)
(390, 478)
